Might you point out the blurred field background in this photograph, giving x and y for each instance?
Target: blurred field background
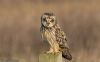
(20, 22)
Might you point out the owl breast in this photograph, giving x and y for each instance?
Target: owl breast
(49, 35)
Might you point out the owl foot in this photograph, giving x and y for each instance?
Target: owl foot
(50, 51)
(56, 51)
(53, 52)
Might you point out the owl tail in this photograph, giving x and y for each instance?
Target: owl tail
(66, 54)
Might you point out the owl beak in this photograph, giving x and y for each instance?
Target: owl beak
(48, 23)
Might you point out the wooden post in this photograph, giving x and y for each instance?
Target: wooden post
(50, 57)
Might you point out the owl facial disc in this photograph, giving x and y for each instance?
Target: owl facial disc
(48, 20)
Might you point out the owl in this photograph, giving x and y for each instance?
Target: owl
(54, 35)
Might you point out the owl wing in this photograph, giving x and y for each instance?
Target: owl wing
(61, 38)
(62, 41)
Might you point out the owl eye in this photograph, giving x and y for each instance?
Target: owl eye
(52, 20)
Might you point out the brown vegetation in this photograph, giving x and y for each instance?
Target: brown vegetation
(20, 23)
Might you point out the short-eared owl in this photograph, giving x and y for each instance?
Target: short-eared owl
(53, 34)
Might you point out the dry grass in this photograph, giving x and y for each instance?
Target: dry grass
(20, 23)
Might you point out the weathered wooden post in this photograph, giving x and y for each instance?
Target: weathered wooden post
(50, 57)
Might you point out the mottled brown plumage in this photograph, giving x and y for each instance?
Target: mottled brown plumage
(54, 35)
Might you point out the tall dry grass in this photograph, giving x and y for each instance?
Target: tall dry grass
(20, 23)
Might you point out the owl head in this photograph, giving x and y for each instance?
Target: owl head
(48, 20)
